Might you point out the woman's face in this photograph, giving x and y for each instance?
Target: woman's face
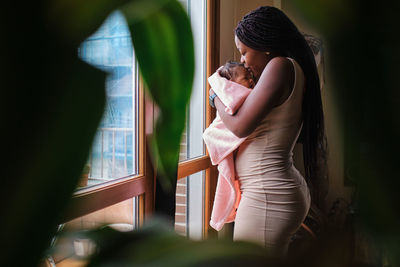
(252, 59)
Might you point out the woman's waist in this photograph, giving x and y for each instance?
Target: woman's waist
(282, 179)
(267, 147)
(263, 163)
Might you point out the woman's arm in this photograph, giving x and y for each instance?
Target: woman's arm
(272, 89)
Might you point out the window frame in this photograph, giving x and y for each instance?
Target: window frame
(142, 185)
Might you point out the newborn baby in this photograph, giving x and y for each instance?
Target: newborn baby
(222, 143)
(237, 72)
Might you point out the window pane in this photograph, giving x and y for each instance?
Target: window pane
(192, 144)
(189, 212)
(113, 152)
(189, 215)
(122, 215)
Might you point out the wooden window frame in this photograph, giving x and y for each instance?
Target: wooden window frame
(88, 200)
(142, 185)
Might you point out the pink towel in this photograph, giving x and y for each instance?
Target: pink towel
(231, 94)
(221, 143)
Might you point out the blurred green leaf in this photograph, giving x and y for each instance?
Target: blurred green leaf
(327, 15)
(155, 244)
(364, 61)
(53, 103)
(163, 44)
(75, 20)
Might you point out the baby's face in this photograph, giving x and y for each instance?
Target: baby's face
(244, 77)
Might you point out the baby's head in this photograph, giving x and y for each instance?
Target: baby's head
(237, 72)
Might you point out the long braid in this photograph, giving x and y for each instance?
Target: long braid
(269, 29)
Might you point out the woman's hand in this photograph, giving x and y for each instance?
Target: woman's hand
(211, 92)
(211, 98)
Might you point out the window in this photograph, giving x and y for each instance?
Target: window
(114, 151)
(192, 142)
(120, 174)
(190, 189)
(197, 178)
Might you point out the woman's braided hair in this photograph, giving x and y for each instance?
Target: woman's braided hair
(269, 29)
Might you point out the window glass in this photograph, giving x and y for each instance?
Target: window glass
(122, 215)
(192, 144)
(114, 153)
(189, 211)
(189, 215)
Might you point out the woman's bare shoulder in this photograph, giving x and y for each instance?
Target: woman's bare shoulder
(281, 64)
(278, 77)
(277, 73)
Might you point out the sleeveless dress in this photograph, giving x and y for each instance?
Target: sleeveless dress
(274, 195)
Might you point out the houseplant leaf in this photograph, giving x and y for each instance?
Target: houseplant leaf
(157, 245)
(53, 103)
(163, 43)
(363, 57)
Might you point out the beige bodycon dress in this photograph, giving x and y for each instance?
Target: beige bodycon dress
(275, 197)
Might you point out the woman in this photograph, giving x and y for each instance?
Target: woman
(284, 104)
